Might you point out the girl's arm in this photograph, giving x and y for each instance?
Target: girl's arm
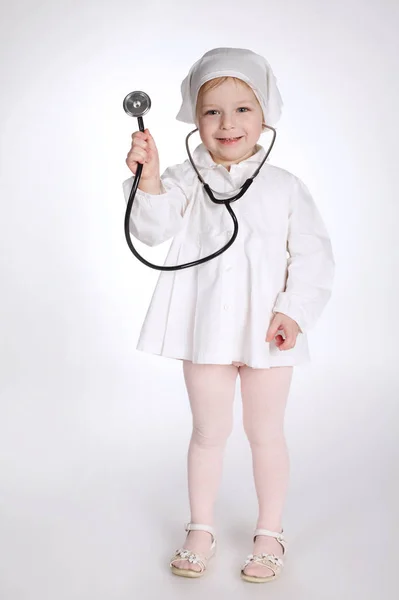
(155, 218)
(311, 264)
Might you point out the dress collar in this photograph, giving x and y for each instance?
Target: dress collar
(202, 157)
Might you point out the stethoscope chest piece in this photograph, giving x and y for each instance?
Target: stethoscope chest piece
(137, 104)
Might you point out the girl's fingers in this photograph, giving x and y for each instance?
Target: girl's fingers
(279, 333)
(150, 139)
(289, 342)
(144, 139)
(284, 336)
(140, 142)
(138, 152)
(139, 134)
(143, 151)
(272, 333)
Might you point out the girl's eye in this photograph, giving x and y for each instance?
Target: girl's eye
(242, 108)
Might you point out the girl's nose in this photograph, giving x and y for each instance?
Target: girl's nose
(227, 121)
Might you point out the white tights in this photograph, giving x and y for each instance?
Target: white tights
(211, 390)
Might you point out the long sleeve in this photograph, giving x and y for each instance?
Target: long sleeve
(311, 265)
(156, 218)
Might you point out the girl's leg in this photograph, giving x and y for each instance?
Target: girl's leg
(211, 390)
(264, 395)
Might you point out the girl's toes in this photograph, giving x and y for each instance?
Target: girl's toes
(185, 564)
(258, 571)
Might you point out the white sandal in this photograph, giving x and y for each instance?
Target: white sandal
(193, 557)
(271, 561)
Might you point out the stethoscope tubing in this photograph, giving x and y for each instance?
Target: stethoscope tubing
(208, 190)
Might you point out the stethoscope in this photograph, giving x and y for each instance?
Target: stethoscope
(137, 104)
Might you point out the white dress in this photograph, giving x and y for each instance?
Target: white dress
(281, 261)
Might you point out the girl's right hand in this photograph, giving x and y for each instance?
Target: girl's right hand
(144, 151)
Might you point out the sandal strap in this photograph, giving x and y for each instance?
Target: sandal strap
(276, 534)
(271, 561)
(200, 527)
(192, 557)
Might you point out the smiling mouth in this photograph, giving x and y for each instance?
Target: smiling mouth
(229, 139)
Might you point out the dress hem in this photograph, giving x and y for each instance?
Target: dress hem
(180, 356)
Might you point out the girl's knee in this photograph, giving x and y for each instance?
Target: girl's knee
(261, 432)
(212, 435)
(256, 439)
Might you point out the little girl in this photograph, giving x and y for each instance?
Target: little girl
(244, 312)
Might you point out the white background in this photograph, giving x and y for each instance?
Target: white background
(94, 434)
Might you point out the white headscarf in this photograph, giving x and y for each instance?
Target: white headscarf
(233, 62)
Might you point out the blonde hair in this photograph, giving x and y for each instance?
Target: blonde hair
(213, 83)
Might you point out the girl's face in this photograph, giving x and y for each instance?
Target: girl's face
(229, 122)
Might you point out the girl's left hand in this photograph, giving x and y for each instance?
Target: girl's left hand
(283, 323)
